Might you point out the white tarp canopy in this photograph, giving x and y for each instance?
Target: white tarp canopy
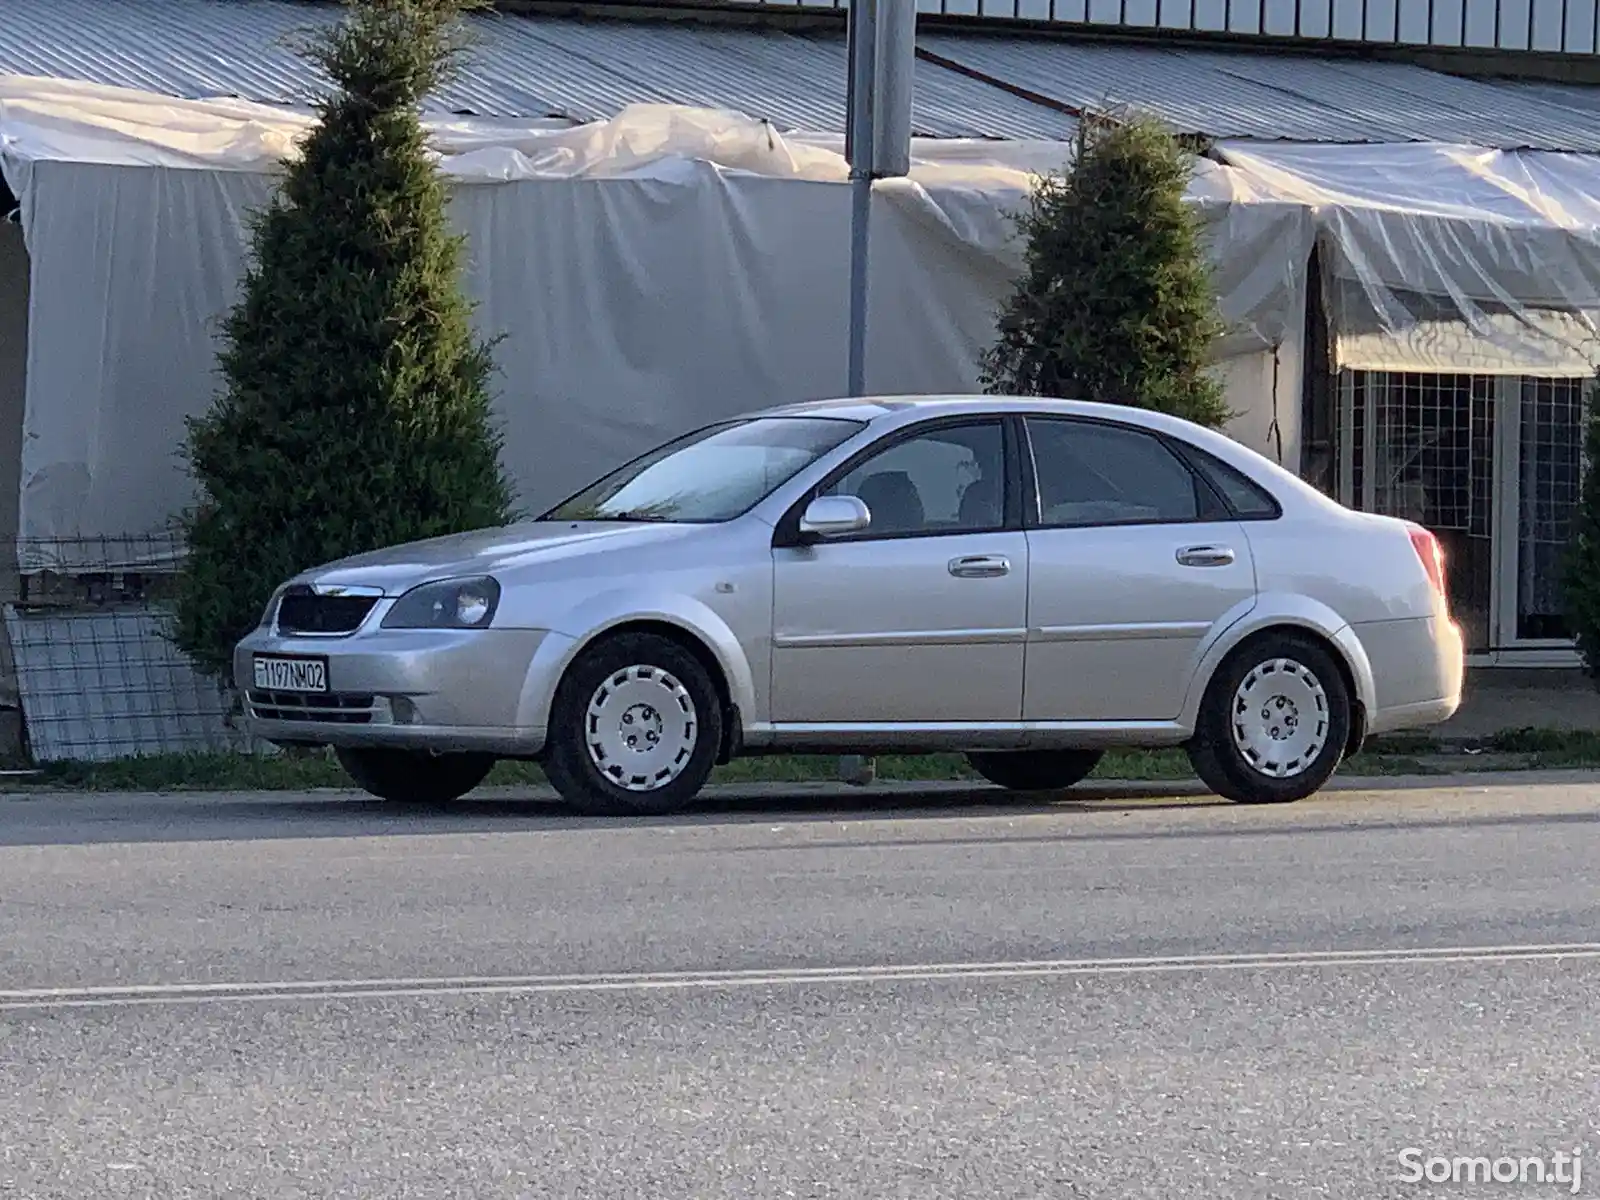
(650, 274)
(1454, 259)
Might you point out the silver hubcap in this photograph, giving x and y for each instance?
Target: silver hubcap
(1280, 718)
(641, 728)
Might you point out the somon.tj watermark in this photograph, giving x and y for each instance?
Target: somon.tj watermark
(1418, 1166)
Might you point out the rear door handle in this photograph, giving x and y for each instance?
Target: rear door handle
(1206, 556)
(980, 566)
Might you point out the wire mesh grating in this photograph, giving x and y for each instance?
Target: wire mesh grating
(97, 675)
(105, 685)
(1423, 463)
(1422, 448)
(1550, 476)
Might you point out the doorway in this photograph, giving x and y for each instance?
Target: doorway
(1493, 465)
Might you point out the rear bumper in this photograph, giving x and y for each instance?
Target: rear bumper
(440, 690)
(1418, 667)
(1414, 716)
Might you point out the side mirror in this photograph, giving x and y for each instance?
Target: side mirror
(835, 516)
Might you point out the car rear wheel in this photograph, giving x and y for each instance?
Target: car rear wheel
(415, 776)
(1035, 770)
(635, 728)
(1274, 722)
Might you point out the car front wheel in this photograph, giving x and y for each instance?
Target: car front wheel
(1035, 770)
(414, 776)
(1274, 722)
(635, 728)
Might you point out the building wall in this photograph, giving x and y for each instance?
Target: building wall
(13, 375)
(13, 378)
(1264, 392)
(1537, 26)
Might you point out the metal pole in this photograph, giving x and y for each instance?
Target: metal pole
(854, 768)
(860, 218)
(859, 151)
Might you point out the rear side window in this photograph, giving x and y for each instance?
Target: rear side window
(1096, 474)
(1244, 495)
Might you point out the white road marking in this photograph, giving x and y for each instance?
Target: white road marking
(352, 989)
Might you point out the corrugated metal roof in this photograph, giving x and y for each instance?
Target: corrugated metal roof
(525, 66)
(797, 81)
(1576, 96)
(1241, 94)
(521, 66)
(1417, 104)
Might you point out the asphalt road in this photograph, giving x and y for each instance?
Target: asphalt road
(884, 995)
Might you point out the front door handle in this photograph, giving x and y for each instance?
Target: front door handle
(980, 566)
(1206, 556)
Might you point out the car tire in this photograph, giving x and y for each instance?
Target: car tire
(1274, 721)
(635, 728)
(414, 776)
(1035, 770)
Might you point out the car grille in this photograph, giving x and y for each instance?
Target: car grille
(303, 611)
(334, 708)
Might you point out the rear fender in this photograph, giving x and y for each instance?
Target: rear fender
(1279, 611)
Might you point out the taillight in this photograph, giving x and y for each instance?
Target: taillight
(1432, 555)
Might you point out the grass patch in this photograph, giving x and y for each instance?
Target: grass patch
(1564, 743)
(1404, 755)
(1392, 744)
(187, 772)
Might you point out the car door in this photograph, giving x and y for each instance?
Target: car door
(1133, 560)
(922, 616)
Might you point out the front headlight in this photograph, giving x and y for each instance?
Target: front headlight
(447, 604)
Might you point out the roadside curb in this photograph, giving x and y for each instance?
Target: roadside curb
(942, 791)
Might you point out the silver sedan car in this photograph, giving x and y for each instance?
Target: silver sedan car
(1027, 581)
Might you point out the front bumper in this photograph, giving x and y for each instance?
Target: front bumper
(427, 689)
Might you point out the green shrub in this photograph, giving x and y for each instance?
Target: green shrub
(355, 411)
(1115, 303)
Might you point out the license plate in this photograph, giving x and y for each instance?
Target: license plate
(292, 674)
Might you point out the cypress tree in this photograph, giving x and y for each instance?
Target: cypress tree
(356, 406)
(1115, 302)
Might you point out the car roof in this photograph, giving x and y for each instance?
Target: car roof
(872, 408)
(897, 410)
(913, 408)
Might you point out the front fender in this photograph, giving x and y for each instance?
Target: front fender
(1280, 610)
(579, 626)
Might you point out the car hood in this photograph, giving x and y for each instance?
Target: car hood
(486, 551)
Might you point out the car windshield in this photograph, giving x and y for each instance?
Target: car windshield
(713, 474)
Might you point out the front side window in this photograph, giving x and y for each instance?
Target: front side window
(947, 480)
(713, 474)
(1095, 474)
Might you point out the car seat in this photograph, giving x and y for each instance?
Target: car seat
(981, 505)
(893, 501)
